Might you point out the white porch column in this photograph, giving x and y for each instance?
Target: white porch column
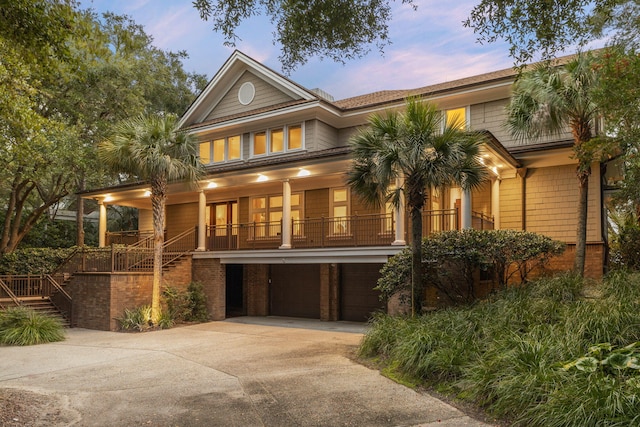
(465, 207)
(495, 203)
(202, 226)
(400, 215)
(102, 224)
(286, 215)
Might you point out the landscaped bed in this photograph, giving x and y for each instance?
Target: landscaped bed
(543, 354)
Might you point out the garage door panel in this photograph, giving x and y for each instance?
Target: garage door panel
(358, 299)
(295, 290)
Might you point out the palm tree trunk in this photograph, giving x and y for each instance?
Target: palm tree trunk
(158, 201)
(581, 232)
(416, 260)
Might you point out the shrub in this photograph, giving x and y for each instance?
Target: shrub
(21, 326)
(33, 260)
(452, 258)
(532, 355)
(189, 305)
(138, 319)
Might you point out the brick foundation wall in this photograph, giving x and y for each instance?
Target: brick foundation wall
(98, 298)
(593, 265)
(179, 275)
(212, 274)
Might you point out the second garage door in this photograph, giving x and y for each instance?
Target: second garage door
(358, 299)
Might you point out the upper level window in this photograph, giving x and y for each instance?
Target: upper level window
(221, 150)
(456, 117)
(277, 140)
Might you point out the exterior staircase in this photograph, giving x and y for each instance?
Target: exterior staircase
(44, 306)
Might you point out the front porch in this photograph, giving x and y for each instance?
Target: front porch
(310, 233)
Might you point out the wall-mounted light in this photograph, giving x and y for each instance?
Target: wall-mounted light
(262, 178)
(212, 184)
(303, 172)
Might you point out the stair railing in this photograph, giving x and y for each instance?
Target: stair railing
(9, 293)
(178, 246)
(58, 296)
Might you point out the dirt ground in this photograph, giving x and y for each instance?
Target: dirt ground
(19, 408)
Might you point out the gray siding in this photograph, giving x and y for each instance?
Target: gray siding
(345, 134)
(491, 116)
(319, 135)
(266, 95)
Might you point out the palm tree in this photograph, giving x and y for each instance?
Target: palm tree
(549, 100)
(152, 149)
(424, 151)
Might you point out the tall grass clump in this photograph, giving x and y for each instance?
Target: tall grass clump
(21, 326)
(536, 355)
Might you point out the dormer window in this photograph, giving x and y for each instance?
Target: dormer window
(277, 140)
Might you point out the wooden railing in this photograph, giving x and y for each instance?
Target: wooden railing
(41, 285)
(7, 292)
(132, 237)
(351, 231)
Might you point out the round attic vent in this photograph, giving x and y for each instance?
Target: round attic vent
(246, 93)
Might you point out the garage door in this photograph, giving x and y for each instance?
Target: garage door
(295, 290)
(357, 297)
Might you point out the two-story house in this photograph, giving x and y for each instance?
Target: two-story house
(276, 231)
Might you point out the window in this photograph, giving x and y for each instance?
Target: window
(221, 150)
(340, 211)
(277, 140)
(266, 213)
(205, 153)
(218, 150)
(456, 117)
(259, 143)
(295, 137)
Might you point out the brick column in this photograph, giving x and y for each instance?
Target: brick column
(257, 279)
(212, 274)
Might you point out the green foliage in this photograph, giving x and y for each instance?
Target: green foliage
(197, 302)
(452, 258)
(625, 243)
(33, 260)
(509, 354)
(65, 78)
(400, 155)
(186, 306)
(538, 28)
(604, 356)
(339, 30)
(138, 319)
(20, 326)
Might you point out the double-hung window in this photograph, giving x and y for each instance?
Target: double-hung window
(221, 150)
(277, 140)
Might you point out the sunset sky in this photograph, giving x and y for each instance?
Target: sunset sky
(429, 46)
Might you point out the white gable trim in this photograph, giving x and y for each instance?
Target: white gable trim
(227, 76)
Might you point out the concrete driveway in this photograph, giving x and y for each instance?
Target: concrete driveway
(240, 372)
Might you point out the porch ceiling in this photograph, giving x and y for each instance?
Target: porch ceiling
(238, 183)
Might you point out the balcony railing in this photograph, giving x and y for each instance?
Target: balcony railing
(351, 231)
